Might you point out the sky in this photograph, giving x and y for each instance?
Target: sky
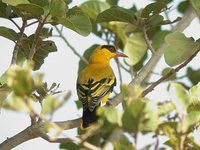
(61, 67)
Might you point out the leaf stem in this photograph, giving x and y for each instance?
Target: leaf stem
(119, 70)
(32, 23)
(18, 27)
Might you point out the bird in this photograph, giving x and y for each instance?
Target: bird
(95, 82)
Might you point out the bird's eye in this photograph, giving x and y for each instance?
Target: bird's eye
(109, 47)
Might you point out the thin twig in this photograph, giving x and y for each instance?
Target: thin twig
(32, 23)
(169, 74)
(123, 67)
(157, 143)
(35, 41)
(119, 70)
(18, 27)
(69, 45)
(18, 43)
(147, 39)
(36, 37)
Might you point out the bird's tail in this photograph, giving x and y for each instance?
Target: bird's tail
(89, 117)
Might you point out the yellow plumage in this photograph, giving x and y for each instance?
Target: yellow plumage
(96, 82)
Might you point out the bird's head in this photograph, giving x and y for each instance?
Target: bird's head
(104, 53)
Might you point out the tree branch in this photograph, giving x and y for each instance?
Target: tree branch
(33, 49)
(169, 74)
(33, 131)
(35, 41)
(147, 39)
(18, 43)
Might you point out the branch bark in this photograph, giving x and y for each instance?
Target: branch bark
(18, 43)
(31, 132)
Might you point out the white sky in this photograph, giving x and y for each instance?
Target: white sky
(61, 67)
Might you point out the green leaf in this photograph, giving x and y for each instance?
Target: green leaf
(69, 146)
(195, 93)
(193, 75)
(77, 21)
(25, 9)
(158, 38)
(155, 20)
(111, 114)
(140, 64)
(180, 97)
(93, 8)
(38, 79)
(152, 9)
(20, 80)
(196, 6)
(168, 128)
(112, 2)
(140, 116)
(3, 8)
(16, 2)
(46, 32)
(135, 48)
(8, 33)
(164, 108)
(43, 49)
(117, 13)
(86, 55)
(179, 48)
(189, 120)
(17, 103)
(194, 106)
(42, 89)
(31, 8)
(50, 103)
(183, 6)
(78, 104)
(4, 92)
(58, 8)
(41, 3)
(3, 78)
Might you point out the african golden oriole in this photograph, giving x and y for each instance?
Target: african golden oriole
(96, 82)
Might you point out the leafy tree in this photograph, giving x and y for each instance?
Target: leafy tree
(144, 34)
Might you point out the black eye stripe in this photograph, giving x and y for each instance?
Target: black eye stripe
(109, 47)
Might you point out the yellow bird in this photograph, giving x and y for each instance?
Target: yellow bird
(96, 82)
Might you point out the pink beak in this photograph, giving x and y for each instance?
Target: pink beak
(120, 54)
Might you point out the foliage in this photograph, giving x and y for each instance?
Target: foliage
(132, 30)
